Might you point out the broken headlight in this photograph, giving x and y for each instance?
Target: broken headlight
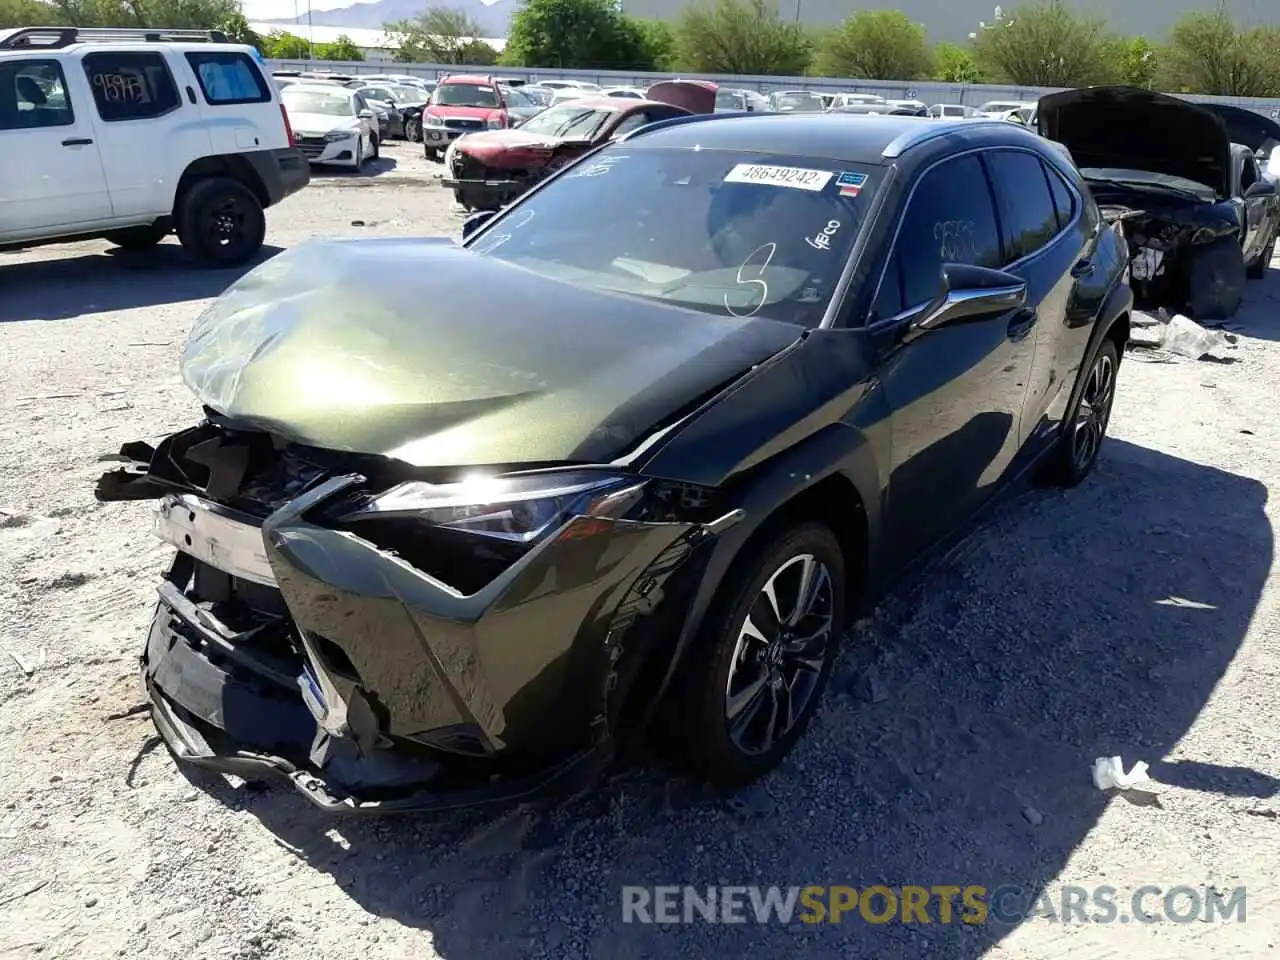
(519, 509)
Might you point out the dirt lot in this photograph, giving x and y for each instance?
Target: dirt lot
(1136, 616)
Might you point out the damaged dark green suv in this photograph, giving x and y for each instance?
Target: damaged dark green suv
(635, 451)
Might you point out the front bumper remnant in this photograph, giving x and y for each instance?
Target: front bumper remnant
(373, 687)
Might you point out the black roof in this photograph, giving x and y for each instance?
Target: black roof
(835, 136)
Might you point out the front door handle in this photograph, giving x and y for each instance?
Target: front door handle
(1082, 268)
(77, 142)
(1022, 324)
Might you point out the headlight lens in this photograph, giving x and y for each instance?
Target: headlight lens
(496, 123)
(338, 136)
(428, 121)
(518, 509)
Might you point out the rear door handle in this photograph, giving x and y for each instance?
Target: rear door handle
(1082, 268)
(77, 142)
(1022, 324)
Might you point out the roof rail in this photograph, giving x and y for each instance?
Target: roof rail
(938, 128)
(55, 38)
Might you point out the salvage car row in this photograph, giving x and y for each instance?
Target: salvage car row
(622, 463)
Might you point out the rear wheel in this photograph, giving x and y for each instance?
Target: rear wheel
(220, 222)
(138, 238)
(765, 655)
(1085, 426)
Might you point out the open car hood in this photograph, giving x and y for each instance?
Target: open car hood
(1137, 129)
(468, 360)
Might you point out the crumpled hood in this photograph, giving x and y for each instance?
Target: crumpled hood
(1137, 129)
(508, 148)
(466, 360)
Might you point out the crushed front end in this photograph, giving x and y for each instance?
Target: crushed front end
(388, 639)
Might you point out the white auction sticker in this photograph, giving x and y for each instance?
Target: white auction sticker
(797, 178)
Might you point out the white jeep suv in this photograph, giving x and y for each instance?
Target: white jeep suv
(129, 135)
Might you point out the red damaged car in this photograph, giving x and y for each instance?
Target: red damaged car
(488, 170)
(461, 104)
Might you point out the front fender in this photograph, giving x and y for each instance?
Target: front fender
(838, 450)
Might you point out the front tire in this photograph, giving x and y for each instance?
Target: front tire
(359, 162)
(766, 653)
(413, 129)
(376, 143)
(221, 223)
(1085, 426)
(1215, 280)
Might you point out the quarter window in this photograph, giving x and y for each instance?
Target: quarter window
(33, 95)
(950, 219)
(228, 78)
(1027, 213)
(130, 86)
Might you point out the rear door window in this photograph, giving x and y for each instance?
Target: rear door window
(1064, 201)
(950, 218)
(130, 86)
(1028, 215)
(228, 78)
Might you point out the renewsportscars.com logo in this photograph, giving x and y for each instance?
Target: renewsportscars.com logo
(943, 904)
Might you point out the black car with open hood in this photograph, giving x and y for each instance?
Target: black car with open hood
(625, 460)
(1197, 213)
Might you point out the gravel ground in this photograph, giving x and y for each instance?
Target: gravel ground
(1136, 615)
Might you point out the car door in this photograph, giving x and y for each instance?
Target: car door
(1051, 260)
(144, 146)
(955, 393)
(51, 174)
(1257, 208)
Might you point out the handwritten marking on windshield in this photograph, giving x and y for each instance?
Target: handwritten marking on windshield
(823, 239)
(597, 169)
(498, 239)
(758, 281)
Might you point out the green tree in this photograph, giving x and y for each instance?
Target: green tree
(237, 28)
(26, 13)
(1138, 62)
(743, 37)
(574, 34)
(477, 53)
(876, 45)
(954, 64)
(344, 48)
(436, 35)
(1207, 54)
(281, 45)
(1044, 44)
(659, 42)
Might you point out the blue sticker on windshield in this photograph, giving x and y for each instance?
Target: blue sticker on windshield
(850, 184)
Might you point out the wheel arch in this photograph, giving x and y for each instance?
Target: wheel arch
(224, 165)
(833, 478)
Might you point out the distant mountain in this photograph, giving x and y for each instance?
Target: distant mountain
(493, 19)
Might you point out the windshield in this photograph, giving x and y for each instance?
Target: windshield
(464, 95)
(998, 106)
(518, 98)
(1145, 178)
(409, 94)
(730, 100)
(721, 232)
(567, 121)
(299, 100)
(800, 102)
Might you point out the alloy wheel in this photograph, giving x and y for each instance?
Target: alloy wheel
(1094, 411)
(779, 654)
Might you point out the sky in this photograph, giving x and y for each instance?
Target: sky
(276, 9)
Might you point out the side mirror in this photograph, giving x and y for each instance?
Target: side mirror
(1262, 188)
(968, 293)
(476, 221)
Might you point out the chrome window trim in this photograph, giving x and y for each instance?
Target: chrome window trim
(1063, 231)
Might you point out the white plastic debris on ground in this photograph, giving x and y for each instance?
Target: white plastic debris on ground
(1108, 773)
(1179, 335)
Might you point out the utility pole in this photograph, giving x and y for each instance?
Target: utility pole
(311, 34)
